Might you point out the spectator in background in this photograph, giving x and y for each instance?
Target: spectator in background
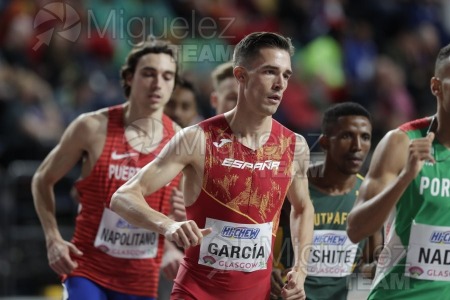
(16, 31)
(393, 104)
(413, 51)
(360, 53)
(31, 121)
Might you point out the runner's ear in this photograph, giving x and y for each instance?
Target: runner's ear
(324, 142)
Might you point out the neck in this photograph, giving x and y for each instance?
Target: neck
(330, 180)
(143, 129)
(134, 113)
(250, 129)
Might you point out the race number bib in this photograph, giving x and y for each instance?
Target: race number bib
(332, 254)
(236, 247)
(428, 254)
(118, 238)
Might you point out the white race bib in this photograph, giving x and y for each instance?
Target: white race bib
(332, 254)
(236, 247)
(428, 254)
(118, 238)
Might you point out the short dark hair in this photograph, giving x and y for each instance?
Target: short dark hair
(151, 45)
(222, 72)
(333, 113)
(248, 48)
(186, 84)
(443, 55)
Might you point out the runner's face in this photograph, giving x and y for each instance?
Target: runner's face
(267, 79)
(153, 80)
(440, 86)
(182, 107)
(226, 92)
(349, 143)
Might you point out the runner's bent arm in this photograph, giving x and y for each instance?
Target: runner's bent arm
(371, 251)
(57, 164)
(395, 163)
(301, 219)
(183, 151)
(171, 260)
(177, 206)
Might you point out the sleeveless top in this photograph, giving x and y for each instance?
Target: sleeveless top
(333, 255)
(118, 163)
(242, 194)
(414, 263)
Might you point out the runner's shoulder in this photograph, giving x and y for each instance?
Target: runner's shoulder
(90, 125)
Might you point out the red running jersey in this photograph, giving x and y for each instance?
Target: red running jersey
(242, 194)
(117, 163)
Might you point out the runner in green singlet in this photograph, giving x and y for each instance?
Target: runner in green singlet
(408, 187)
(333, 188)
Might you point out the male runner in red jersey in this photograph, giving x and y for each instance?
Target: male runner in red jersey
(109, 258)
(238, 167)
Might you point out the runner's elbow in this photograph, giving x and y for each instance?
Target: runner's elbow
(353, 235)
(354, 230)
(118, 201)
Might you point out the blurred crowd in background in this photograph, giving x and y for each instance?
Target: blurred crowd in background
(60, 59)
